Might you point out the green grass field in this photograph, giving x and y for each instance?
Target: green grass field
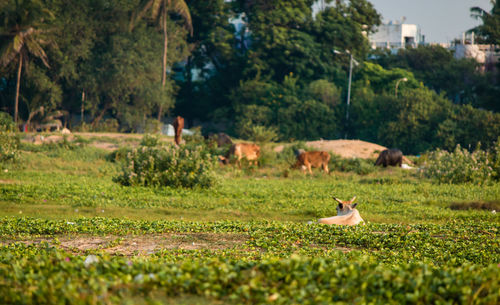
(246, 240)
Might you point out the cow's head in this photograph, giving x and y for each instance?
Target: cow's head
(223, 160)
(345, 207)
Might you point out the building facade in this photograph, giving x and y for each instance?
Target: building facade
(396, 35)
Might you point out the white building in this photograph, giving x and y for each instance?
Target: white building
(396, 35)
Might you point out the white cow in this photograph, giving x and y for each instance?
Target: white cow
(347, 214)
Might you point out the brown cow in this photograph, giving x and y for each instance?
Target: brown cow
(308, 159)
(178, 126)
(249, 151)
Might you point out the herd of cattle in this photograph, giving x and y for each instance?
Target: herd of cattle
(347, 214)
(306, 160)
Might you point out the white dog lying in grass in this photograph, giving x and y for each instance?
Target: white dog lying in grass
(347, 214)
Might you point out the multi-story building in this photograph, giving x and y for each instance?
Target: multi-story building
(396, 35)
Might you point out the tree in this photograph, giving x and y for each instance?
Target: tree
(159, 11)
(23, 34)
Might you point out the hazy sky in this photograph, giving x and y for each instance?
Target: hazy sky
(439, 20)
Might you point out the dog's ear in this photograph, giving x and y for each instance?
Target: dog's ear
(354, 205)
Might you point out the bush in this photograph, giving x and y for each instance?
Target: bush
(460, 166)
(356, 165)
(168, 165)
(9, 146)
(9, 141)
(6, 122)
(288, 154)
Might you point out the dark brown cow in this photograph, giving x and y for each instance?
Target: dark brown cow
(178, 126)
(308, 159)
(249, 151)
(222, 139)
(390, 157)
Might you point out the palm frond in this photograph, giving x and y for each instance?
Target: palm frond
(180, 7)
(156, 7)
(7, 53)
(36, 49)
(477, 12)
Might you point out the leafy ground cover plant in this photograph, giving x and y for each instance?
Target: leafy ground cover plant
(279, 262)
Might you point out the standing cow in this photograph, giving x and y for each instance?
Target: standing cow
(178, 126)
(308, 159)
(249, 151)
(390, 157)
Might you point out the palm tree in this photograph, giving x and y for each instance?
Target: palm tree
(159, 11)
(22, 35)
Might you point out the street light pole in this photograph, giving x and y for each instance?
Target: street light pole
(404, 79)
(351, 62)
(349, 89)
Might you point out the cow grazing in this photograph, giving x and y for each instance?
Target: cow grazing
(222, 139)
(308, 159)
(178, 126)
(248, 151)
(347, 214)
(390, 157)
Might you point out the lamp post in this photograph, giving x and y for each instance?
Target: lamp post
(404, 79)
(351, 61)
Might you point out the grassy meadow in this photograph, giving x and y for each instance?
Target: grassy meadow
(245, 240)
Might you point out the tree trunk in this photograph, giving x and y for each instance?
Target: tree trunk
(164, 65)
(16, 105)
(100, 116)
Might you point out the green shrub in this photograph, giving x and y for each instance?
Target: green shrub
(168, 165)
(150, 140)
(356, 165)
(262, 134)
(288, 154)
(9, 146)
(108, 125)
(6, 122)
(459, 166)
(9, 140)
(118, 155)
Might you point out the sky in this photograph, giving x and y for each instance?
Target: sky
(439, 20)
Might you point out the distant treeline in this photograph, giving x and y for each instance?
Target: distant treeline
(238, 65)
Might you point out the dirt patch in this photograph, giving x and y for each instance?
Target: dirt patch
(145, 244)
(106, 146)
(345, 148)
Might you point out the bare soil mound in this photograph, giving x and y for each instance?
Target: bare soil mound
(345, 148)
(349, 148)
